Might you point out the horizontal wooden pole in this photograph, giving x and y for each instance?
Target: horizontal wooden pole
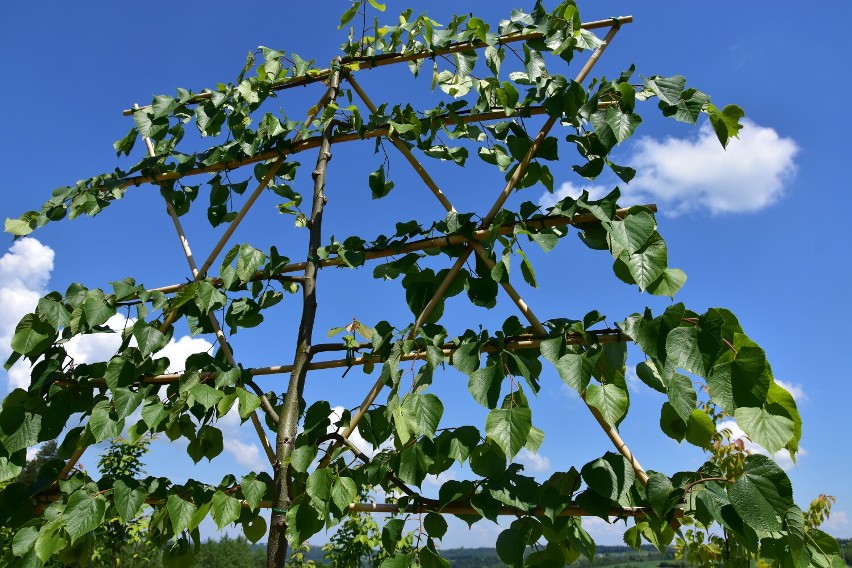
(430, 243)
(510, 344)
(314, 142)
(351, 64)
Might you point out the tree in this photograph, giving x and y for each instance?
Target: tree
(316, 479)
(123, 541)
(30, 473)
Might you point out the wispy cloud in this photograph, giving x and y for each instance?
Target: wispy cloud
(534, 463)
(796, 390)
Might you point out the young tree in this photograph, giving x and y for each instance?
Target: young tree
(492, 82)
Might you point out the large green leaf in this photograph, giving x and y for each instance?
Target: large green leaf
(253, 490)
(509, 428)
(611, 400)
(148, 338)
(32, 336)
(128, 497)
(343, 493)
(682, 395)
(422, 413)
(610, 476)
(485, 383)
(225, 509)
(318, 488)
(762, 495)
(648, 263)
(180, 513)
(771, 431)
(83, 513)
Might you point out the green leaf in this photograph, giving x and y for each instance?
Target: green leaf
(610, 476)
(435, 525)
(249, 259)
(509, 428)
(32, 336)
(255, 528)
(669, 282)
(128, 497)
(23, 226)
(622, 123)
(682, 395)
(205, 395)
(343, 493)
(378, 185)
(575, 369)
(96, 309)
(648, 263)
(349, 14)
(699, 429)
(726, 122)
(762, 495)
(207, 443)
(82, 514)
(771, 431)
(611, 400)
(253, 490)
(377, 6)
(248, 402)
(180, 513)
(392, 533)
(422, 413)
(225, 509)
(485, 383)
(148, 338)
(318, 488)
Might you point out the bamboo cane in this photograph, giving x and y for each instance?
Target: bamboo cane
(433, 243)
(352, 64)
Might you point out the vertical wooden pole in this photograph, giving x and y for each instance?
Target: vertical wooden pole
(289, 418)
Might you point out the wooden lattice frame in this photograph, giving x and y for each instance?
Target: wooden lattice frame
(344, 70)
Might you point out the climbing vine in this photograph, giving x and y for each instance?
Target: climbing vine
(491, 82)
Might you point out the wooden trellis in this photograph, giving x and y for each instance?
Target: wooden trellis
(344, 70)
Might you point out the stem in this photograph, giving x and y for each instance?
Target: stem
(289, 417)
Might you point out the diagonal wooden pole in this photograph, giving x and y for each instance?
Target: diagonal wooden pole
(217, 329)
(524, 308)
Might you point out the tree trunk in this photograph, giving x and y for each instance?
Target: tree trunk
(276, 553)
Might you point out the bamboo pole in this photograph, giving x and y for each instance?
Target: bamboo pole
(430, 183)
(295, 147)
(434, 243)
(511, 344)
(217, 329)
(352, 64)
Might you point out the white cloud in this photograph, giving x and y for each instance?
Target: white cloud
(838, 523)
(440, 479)
(781, 457)
(797, 391)
(24, 272)
(178, 351)
(568, 189)
(697, 173)
(535, 463)
(363, 445)
(247, 455)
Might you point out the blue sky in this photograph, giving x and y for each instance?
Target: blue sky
(750, 227)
